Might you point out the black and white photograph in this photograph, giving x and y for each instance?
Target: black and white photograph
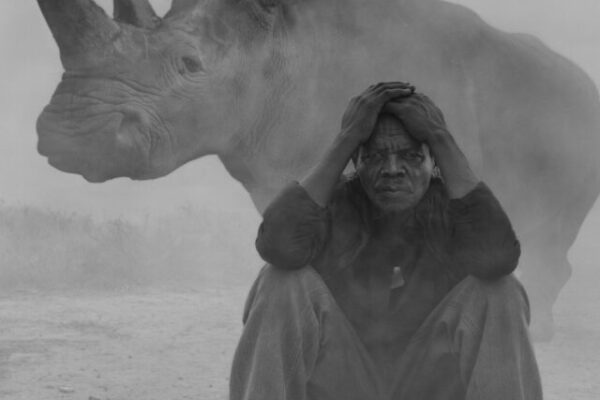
(299, 200)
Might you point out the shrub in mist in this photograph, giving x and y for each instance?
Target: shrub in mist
(42, 249)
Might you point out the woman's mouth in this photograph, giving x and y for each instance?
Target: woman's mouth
(393, 189)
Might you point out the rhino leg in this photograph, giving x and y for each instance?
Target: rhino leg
(543, 274)
(544, 267)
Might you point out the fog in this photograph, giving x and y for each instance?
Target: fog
(199, 210)
(31, 70)
(568, 28)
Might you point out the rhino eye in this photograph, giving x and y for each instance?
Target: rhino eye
(192, 64)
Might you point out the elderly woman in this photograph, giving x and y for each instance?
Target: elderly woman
(393, 283)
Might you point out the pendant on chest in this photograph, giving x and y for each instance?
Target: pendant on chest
(397, 278)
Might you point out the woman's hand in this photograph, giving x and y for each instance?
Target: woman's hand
(419, 115)
(425, 122)
(357, 125)
(361, 114)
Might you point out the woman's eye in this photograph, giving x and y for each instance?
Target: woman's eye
(414, 156)
(369, 157)
(377, 157)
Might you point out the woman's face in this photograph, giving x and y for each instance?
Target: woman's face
(394, 169)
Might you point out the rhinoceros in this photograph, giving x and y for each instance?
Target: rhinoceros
(263, 84)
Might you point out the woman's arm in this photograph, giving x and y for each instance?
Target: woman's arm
(295, 225)
(294, 229)
(458, 176)
(482, 241)
(425, 122)
(357, 125)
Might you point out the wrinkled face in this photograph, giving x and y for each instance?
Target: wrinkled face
(394, 169)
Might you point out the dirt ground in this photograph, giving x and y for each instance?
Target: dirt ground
(170, 344)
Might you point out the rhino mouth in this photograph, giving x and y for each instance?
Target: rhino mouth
(97, 140)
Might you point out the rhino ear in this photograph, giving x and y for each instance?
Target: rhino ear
(135, 12)
(229, 21)
(270, 4)
(260, 16)
(283, 8)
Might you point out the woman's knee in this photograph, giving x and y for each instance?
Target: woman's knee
(284, 291)
(505, 293)
(278, 282)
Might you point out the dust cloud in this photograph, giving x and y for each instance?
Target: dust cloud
(135, 290)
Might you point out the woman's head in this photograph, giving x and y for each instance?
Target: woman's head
(394, 169)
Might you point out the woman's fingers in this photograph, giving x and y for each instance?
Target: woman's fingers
(392, 84)
(367, 105)
(399, 108)
(380, 89)
(393, 93)
(393, 108)
(385, 93)
(383, 87)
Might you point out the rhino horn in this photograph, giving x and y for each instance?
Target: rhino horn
(135, 12)
(179, 7)
(79, 27)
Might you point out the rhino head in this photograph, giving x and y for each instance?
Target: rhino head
(263, 84)
(142, 95)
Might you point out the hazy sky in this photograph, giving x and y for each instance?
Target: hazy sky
(30, 70)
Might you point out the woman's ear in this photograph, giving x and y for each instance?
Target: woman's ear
(436, 173)
(351, 167)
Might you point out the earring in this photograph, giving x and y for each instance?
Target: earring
(436, 173)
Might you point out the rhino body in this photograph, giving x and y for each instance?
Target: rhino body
(263, 84)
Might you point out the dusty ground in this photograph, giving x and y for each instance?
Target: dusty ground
(168, 345)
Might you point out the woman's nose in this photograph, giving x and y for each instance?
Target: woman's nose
(393, 166)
